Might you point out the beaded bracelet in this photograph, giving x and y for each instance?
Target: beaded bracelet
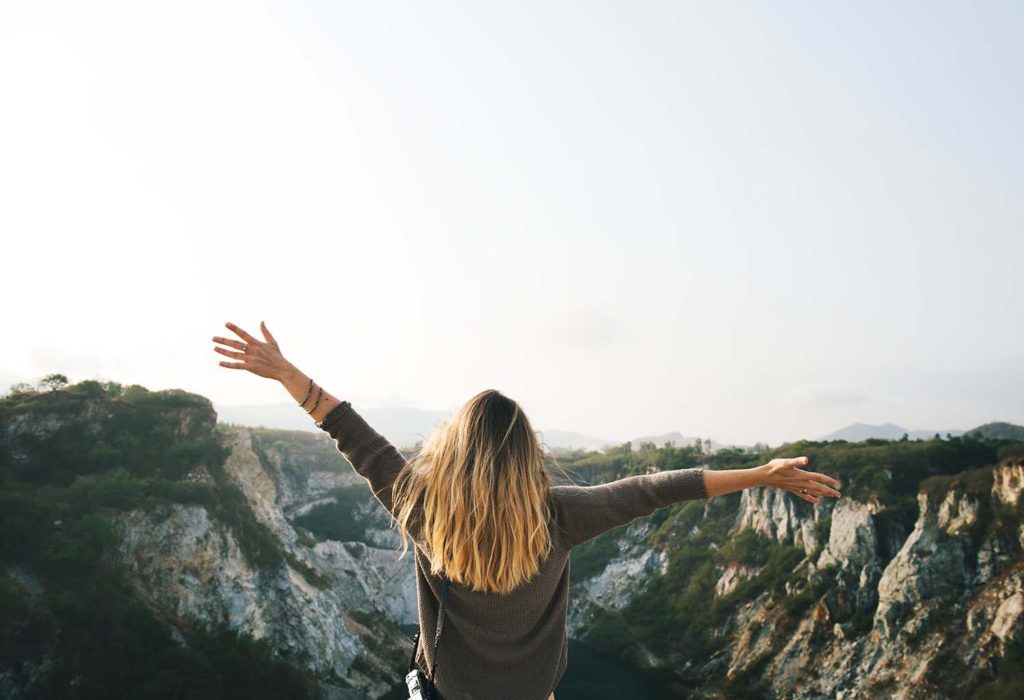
(318, 395)
(307, 393)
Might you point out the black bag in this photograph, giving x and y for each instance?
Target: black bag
(421, 687)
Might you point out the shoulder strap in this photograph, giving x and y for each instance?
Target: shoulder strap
(440, 623)
(437, 637)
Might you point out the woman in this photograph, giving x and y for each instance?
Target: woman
(481, 508)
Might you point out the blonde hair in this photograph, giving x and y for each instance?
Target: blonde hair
(480, 492)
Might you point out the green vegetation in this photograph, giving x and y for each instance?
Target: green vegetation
(334, 521)
(674, 610)
(890, 470)
(777, 563)
(617, 462)
(992, 516)
(744, 547)
(822, 532)
(997, 431)
(591, 557)
(292, 448)
(748, 684)
(1009, 682)
(71, 459)
(973, 481)
(680, 609)
(99, 427)
(378, 629)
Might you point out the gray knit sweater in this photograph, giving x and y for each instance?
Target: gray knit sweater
(493, 646)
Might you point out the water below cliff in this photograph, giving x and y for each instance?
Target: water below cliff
(593, 675)
(590, 675)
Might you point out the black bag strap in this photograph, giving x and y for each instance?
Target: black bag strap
(440, 624)
(437, 637)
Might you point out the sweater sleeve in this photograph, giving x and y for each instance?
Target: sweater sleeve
(588, 511)
(369, 452)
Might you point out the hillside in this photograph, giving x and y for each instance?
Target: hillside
(142, 545)
(911, 585)
(998, 431)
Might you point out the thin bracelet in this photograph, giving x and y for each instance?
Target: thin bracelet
(318, 395)
(307, 393)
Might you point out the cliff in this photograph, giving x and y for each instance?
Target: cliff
(924, 612)
(131, 510)
(189, 567)
(105, 487)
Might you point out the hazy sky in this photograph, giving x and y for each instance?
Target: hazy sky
(746, 221)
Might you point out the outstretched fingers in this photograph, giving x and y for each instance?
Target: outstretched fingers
(266, 333)
(787, 474)
(237, 344)
(825, 479)
(230, 342)
(815, 489)
(809, 497)
(228, 353)
(242, 334)
(825, 483)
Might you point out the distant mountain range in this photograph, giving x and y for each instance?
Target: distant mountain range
(566, 440)
(677, 439)
(890, 431)
(856, 432)
(406, 426)
(402, 426)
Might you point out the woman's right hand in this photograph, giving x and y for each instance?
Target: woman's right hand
(784, 473)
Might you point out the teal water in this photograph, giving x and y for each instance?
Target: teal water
(590, 675)
(595, 676)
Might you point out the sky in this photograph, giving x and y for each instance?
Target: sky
(749, 221)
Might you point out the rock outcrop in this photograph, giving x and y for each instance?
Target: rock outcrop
(190, 568)
(875, 600)
(931, 620)
(775, 515)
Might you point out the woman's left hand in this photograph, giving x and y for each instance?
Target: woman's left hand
(263, 359)
(784, 473)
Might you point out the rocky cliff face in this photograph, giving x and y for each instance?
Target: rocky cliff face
(928, 618)
(191, 569)
(615, 586)
(771, 513)
(918, 607)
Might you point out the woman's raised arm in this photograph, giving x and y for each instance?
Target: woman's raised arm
(264, 359)
(369, 452)
(298, 385)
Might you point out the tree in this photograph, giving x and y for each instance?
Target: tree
(53, 381)
(19, 388)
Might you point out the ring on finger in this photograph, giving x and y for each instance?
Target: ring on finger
(803, 491)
